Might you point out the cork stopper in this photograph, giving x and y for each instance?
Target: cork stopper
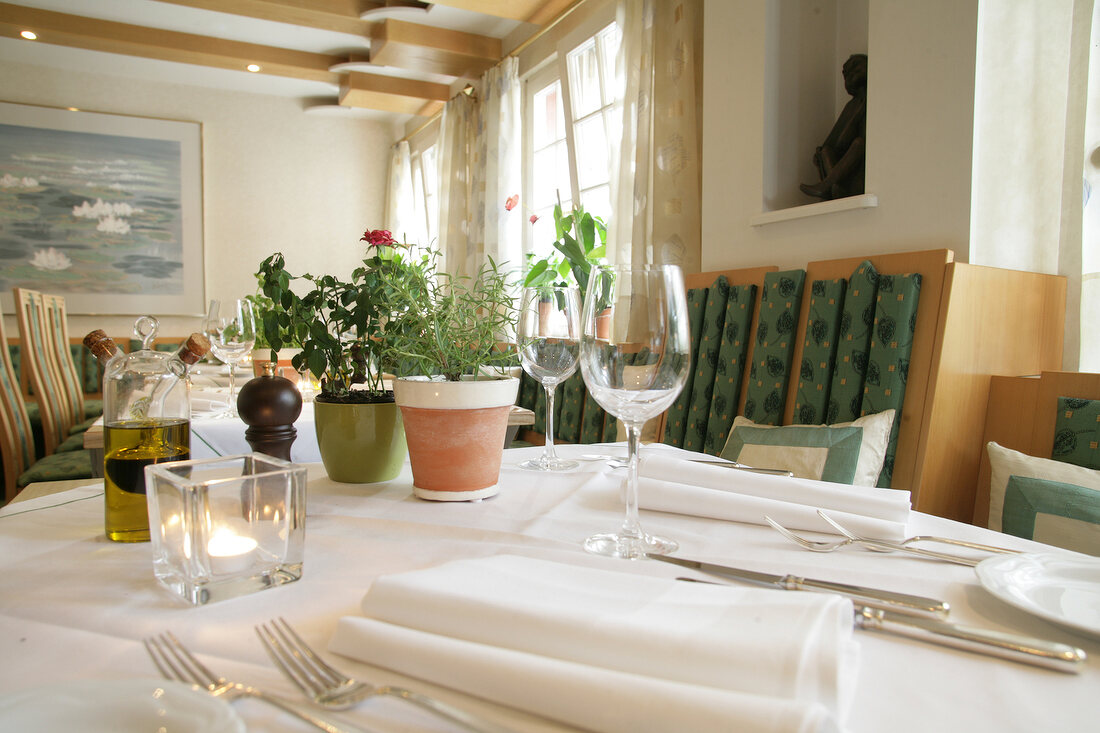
(100, 344)
(194, 349)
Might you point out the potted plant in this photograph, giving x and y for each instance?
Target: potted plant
(340, 327)
(453, 333)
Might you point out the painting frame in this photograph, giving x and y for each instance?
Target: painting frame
(168, 282)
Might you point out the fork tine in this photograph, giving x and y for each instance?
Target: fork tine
(285, 660)
(789, 534)
(296, 642)
(171, 663)
(836, 526)
(191, 662)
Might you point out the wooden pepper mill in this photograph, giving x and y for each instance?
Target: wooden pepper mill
(269, 405)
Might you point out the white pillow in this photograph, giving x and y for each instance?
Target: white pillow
(1005, 462)
(805, 461)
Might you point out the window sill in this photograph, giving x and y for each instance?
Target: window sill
(863, 201)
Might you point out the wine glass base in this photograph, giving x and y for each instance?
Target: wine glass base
(543, 463)
(629, 547)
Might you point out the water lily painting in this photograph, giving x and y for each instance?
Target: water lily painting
(102, 209)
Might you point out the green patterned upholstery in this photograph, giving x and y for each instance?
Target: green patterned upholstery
(856, 321)
(592, 422)
(819, 351)
(59, 467)
(528, 391)
(731, 366)
(1077, 432)
(1027, 499)
(780, 304)
(676, 423)
(895, 322)
(706, 365)
(568, 426)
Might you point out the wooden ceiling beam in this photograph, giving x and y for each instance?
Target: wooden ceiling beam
(341, 16)
(432, 50)
(539, 12)
(391, 94)
(133, 40)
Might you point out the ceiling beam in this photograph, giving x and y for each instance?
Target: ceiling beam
(133, 40)
(391, 94)
(539, 12)
(341, 16)
(432, 50)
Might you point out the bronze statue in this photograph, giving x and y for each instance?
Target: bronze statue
(840, 158)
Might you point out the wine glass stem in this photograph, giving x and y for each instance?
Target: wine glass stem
(232, 387)
(631, 526)
(548, 454)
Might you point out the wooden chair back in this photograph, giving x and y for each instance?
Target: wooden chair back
(39, 358)
(16, 439)
(57, 331)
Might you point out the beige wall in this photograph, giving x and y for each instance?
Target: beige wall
(274, 178)
(921, 60)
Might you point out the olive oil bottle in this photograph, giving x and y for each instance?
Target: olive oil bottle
(146, 420)
(128, 447)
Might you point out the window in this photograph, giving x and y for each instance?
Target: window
(569, 162)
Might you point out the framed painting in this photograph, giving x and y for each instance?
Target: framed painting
(103, 209)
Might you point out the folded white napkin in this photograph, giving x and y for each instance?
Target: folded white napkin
(672, 484)
(206, 401)
(610, 651)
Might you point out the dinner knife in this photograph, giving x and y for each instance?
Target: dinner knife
(1015, 647)
(881, 599)
(743, 467)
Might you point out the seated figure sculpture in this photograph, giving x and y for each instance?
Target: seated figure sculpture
(839, 160)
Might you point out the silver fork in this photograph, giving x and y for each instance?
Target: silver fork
(333, 689)
(878, 545)
(919, 538)
(175, 662)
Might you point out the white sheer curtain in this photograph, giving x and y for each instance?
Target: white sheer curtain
(401, 218)
(455, 161)
(1037, 123)
(500, 153)
(656, 167)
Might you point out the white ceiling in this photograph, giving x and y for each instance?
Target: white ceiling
(319, 96)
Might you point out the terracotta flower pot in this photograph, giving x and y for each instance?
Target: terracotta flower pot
(455, 433)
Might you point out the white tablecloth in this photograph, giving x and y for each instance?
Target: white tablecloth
(76, 606)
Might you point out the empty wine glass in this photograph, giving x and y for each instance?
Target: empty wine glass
(548, 336)
(635, 356)
(232, 333)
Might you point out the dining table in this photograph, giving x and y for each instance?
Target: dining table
(76, 606)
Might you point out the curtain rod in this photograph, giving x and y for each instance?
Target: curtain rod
(514, 52)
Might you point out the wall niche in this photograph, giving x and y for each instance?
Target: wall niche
(806, 44)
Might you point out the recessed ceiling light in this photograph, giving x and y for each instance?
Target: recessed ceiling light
(29, 35)
(73, 109)
(253, 67)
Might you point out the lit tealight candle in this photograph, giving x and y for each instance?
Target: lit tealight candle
(229, 552)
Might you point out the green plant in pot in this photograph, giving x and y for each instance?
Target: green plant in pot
(581, 244)
(453, 334)
(341, 327)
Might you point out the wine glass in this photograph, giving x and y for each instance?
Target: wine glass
(232, 334)
(635, 357)
(548, 336)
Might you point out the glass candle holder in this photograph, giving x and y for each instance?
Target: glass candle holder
(225, 527)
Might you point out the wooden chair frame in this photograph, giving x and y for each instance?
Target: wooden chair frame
(40, 359)
(17, 441)
(57, 331)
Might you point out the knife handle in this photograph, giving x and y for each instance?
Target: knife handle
(1014, 647)
(881, 599)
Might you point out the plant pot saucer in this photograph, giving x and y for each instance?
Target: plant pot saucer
(472, 495)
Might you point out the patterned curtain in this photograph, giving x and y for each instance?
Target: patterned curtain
(657, 170)
(500, 152)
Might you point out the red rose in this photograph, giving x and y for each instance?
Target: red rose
(511, 202)
(378, 238)
(534, 218)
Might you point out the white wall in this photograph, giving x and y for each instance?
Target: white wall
(275, 179)
(920, 130)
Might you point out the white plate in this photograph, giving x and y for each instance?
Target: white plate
(1060, 588)
(118, 706)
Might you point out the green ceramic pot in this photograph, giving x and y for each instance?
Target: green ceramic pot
(360, 444)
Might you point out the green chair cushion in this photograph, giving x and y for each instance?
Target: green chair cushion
(819, 351)
(706, 365)
(72, 443)
(730, 370)
(769, 374)
(1060, 514)
(59, 467)
(856, 323)
(895, 324)
(1077, 432)
(676, 421)
(568, 427)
